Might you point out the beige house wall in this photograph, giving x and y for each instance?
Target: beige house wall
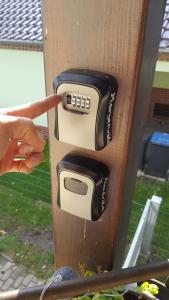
(22, 78)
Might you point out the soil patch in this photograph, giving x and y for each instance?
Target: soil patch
(40, 239)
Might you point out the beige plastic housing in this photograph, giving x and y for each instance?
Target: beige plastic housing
(78, 129)
(76, 204)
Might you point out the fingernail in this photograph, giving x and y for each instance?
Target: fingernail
(25, 149)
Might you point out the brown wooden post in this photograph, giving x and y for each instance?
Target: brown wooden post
(109, 36)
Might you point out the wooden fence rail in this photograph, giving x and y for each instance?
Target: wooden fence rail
(88, 284)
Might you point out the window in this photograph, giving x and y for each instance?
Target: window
(161, 110)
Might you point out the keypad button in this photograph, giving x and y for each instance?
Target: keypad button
(68, 98)
(88, 103)
(78, 102)
(73, 101)
(83, 103)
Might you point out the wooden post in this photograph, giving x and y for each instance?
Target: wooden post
(104, 35)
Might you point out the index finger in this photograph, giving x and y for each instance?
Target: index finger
(33, 110)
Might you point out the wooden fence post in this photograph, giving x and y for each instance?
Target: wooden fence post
(113, 37)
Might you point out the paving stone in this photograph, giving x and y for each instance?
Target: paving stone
(7, 284)
(18, 282)
(35, 279)
(16, 273)
(31, 284)
(1, 283)
(27, 279)
(13, 276)
(5, 274)
(8, 265)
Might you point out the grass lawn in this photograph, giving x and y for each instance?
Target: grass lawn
(38, 262)
(21, 209)
(21, 213)
(36, 185)
(145, 188)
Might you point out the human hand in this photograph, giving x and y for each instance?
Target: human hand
(20, 137)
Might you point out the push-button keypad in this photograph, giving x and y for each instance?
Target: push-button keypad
(79, 103)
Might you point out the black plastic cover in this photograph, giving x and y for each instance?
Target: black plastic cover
(107, 87)
(90, 168)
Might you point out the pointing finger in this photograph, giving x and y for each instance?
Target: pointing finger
(33, 110)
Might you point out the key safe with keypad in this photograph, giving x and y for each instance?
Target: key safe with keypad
(84, 116)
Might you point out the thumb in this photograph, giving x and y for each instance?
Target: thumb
(25, 130)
